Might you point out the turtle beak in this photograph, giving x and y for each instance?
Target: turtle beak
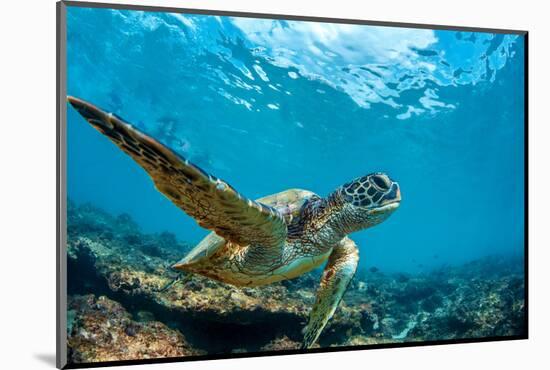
(393, 196)
(397, 193)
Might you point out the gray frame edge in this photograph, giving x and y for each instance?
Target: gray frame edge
(288, 17)
(61, 185)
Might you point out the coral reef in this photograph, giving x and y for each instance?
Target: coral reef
(117, 279)
(102, 330)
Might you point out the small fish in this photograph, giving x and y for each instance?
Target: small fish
(374, 269)
(402, 278)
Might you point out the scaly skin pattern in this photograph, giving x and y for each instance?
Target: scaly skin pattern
(274, 238)
(256, 265)
(336, 277)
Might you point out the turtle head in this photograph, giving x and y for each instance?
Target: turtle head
(366, 201)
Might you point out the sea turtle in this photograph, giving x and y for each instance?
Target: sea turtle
(254, 243)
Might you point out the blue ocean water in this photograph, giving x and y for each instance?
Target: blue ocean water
(269, 105)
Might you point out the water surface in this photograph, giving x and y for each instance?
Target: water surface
(271, 105)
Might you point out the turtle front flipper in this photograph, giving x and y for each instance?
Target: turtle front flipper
(338, 272)
(212, 202)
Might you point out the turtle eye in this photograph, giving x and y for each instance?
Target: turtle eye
(381, 182)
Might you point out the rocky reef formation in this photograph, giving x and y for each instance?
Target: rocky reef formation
(117, 279)
(102, 330)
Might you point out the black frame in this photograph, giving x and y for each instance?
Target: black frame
(61, 281)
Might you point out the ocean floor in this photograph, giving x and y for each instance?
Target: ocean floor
(117, 309)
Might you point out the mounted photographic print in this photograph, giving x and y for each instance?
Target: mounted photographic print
(235, 184)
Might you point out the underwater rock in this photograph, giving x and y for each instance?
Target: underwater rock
(477, 308)
(145, 276)
(110, 256)
(102, 330)
(362, 286)
(361, 340)
(116, 264)
(283, 343)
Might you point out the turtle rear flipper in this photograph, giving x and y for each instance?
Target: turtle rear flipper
(338, 273)
(212, 202)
